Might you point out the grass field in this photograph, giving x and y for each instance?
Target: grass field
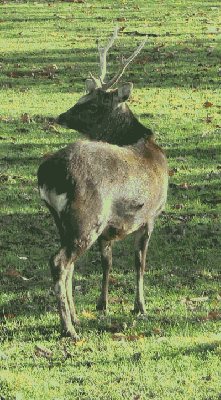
(48, 49)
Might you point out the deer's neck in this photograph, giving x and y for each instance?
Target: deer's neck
(122, 128)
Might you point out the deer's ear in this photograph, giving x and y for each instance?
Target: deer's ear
(90, 85)
(124, 91)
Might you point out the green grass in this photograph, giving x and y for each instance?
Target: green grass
(48, 49)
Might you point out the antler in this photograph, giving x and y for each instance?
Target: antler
(103, 63)
(103, 54)
(125, 64)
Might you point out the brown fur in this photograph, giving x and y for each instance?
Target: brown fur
(101, 191)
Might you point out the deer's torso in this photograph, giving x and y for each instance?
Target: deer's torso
(119, 187)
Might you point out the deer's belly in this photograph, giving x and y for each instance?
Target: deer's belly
(124, 220)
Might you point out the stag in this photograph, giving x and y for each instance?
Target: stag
(103, 188)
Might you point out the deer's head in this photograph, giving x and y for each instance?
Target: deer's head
(100, 110)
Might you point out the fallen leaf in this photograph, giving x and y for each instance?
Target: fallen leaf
(79, 343)
(172, 171)
(157, 331)
(208, 119)
(179, 206)
(170, 55)
(134, 338)
(212, 316)
(51, 128)
(143, 60)
(41, 351)
(184, 186)
(121, 19)
(14, 74)
(12, 272)
(8, 316)
(119, 336)
(25, 118)
(88, 315)
(129, 338)
(207, 104)
(113, 281)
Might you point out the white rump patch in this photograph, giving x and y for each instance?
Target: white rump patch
(57, 201)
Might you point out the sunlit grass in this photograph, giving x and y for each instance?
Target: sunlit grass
(48, 49)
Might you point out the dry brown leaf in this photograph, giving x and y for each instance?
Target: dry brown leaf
(12, 273)
(134, 338)
(121, 19)
(9, 315)
(14, 74)
(113, 281)
(25, 118)
(157, 331)
(207, 104)
(179, 206)
(41, 351)
(212, 316)
(130, 338)
(119, 336)
(172, 171)
(184, 186)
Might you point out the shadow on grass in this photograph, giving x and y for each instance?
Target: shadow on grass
(35, 237)
(208, 153)
(184, 65)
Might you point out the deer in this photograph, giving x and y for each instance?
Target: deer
(102, 188)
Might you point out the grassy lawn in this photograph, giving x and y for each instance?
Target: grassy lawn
(48, 49)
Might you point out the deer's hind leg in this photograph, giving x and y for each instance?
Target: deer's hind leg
(141, 245)
(70, 269)
(106, 262)
(76, 237)
(62, 265)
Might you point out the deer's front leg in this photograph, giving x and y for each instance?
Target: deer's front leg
(141, 245)
(106, 262)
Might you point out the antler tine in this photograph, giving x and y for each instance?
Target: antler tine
(103, 54)
(125, 64)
